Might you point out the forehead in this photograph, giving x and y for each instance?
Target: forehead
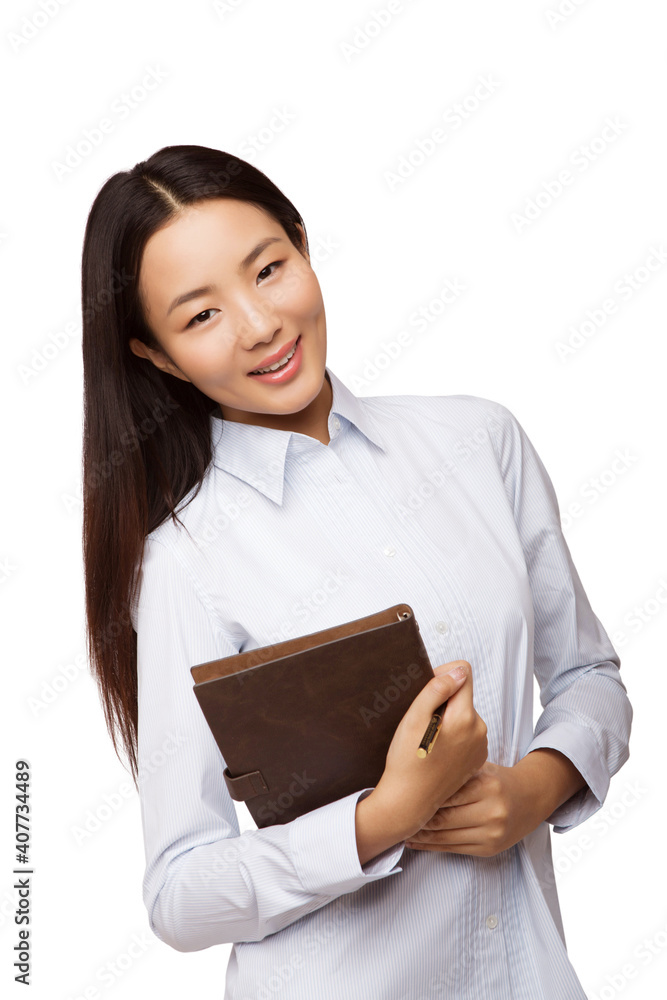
(200, 243)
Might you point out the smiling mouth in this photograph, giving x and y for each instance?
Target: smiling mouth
(278, 364)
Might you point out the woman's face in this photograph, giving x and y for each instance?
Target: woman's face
(253, 309)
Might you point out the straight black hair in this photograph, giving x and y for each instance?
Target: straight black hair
(146, 433)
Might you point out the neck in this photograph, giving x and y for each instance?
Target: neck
(313, 420)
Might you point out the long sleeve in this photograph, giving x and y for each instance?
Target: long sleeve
(412, 500)
(586, 712)
(206, 883)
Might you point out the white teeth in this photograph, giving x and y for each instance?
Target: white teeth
(278, 364)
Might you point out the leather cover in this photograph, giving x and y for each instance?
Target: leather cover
(307, 721)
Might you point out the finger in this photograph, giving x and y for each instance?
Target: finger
(461, 702)
(439, 689)
(462, 835)
(475, 849)
(454, 818)
(445, 838)
(471, 791)
(443, 669)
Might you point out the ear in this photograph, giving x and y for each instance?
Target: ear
(158, 358)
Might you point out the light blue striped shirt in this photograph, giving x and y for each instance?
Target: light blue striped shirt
(437, 501)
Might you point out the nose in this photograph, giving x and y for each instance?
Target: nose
(257, 323)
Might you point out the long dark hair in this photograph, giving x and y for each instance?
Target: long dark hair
(146, 433)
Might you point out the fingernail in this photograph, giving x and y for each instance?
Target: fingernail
(458, 673)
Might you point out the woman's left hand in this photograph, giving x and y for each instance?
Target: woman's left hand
(493, 810)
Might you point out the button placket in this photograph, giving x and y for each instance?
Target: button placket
(440, 631)
(454, 600)
(493, 932)
(441, 628)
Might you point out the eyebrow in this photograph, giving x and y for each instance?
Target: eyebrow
(243, 266)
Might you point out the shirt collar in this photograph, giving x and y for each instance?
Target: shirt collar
(257, 455)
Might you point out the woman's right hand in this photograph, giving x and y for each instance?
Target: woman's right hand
(413, 788)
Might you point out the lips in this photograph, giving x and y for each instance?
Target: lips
(284, 374)
(272, 358)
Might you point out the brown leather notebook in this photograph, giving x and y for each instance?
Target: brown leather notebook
(307, 721)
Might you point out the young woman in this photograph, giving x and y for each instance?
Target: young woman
(226, 509)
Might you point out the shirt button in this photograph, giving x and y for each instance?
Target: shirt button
(492, 921)
(336, 423)
(442, 627)
(388, 551)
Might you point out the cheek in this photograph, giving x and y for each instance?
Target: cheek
(303, 296)
(202, 359)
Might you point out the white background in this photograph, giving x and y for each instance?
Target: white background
(354, 109)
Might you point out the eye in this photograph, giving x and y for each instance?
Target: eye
(194, 318)
(197, 321)
(276, 263)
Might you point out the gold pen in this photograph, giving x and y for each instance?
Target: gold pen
(432, 731)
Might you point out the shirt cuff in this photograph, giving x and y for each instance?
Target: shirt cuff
(579, 745)
(324, 849)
